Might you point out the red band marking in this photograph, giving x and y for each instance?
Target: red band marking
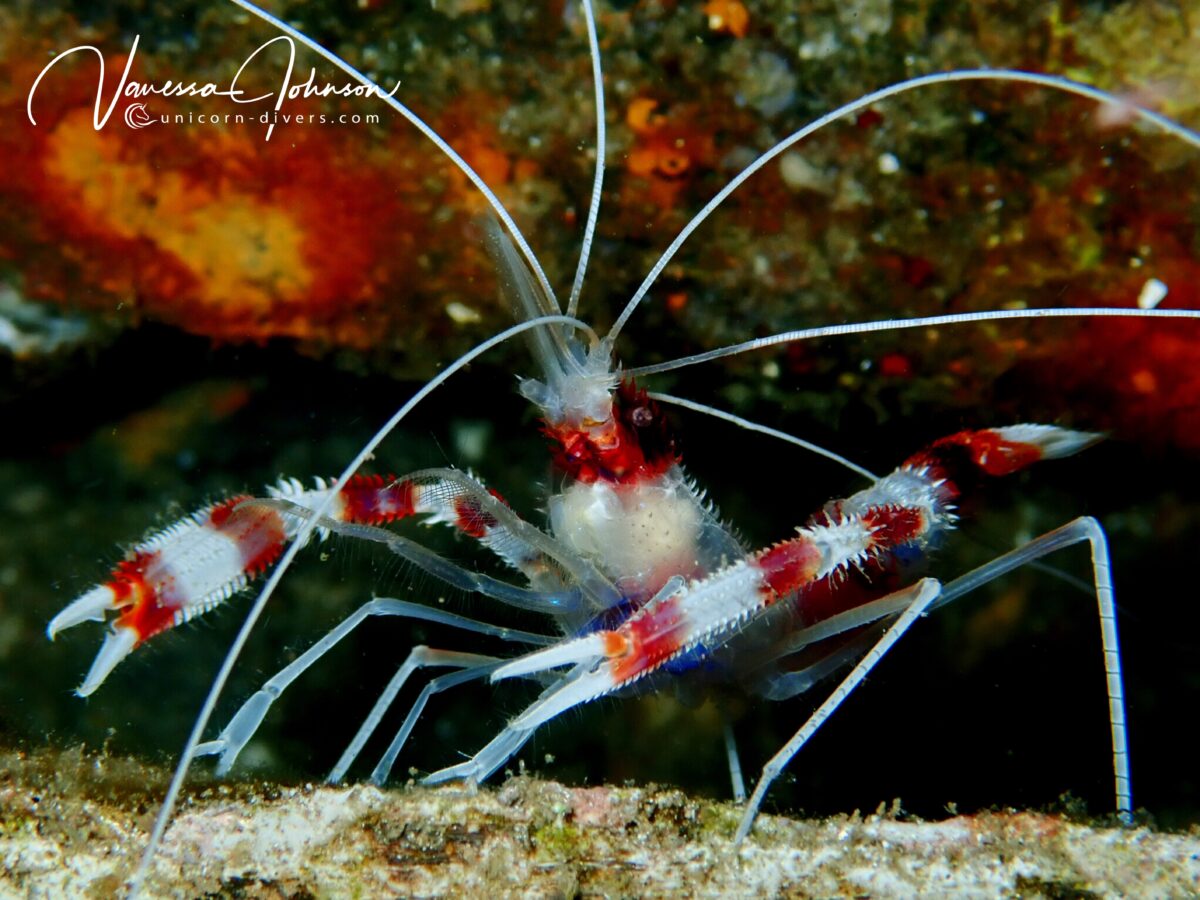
(128, 582)
(645, 641)
(148, 619)
(257, 532)
(997, 456)
(376, 500)
(788, 566)
(986, 449)
(471, 518)
(892, 526)
(220, 513)
(144, 612)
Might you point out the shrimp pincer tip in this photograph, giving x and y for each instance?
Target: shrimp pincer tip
(118, 644)
(571, 693)
(581, 650)
(89, 607)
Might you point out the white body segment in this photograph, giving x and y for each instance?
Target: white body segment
(640, 535)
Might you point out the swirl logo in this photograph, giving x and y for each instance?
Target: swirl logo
(136, 116)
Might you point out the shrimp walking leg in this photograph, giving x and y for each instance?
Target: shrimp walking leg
(249, 717)
(783, 685)
(483, 666)
(557, 601)
(502, 747)
(919, 596)
(443, 682)
(497, 752)
(1082, 529)
(734, 759)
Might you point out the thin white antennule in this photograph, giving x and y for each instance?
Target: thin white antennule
(589, 229)
(993, 315)
(763, 429)
(300, 539)
(1051, 81)
(421, 126)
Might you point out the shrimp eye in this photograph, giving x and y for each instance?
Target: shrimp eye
(642, 417)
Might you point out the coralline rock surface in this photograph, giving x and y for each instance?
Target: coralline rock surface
(75, 825)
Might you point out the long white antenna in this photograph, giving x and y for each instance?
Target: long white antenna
(994, 315)
(1050, 81)
(589, 230)
(763, 429)
(421, 126)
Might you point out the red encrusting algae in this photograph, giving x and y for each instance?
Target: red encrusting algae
(314, 235)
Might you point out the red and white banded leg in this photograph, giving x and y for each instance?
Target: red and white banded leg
(903, 509)
(900, 509)
(711, 609)
(199, 562)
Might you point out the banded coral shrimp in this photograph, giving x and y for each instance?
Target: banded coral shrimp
(817, 502)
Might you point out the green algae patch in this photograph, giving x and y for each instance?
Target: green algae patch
(720, 821)
(559, 842)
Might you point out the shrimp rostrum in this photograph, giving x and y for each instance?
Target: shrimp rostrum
(642, 584)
